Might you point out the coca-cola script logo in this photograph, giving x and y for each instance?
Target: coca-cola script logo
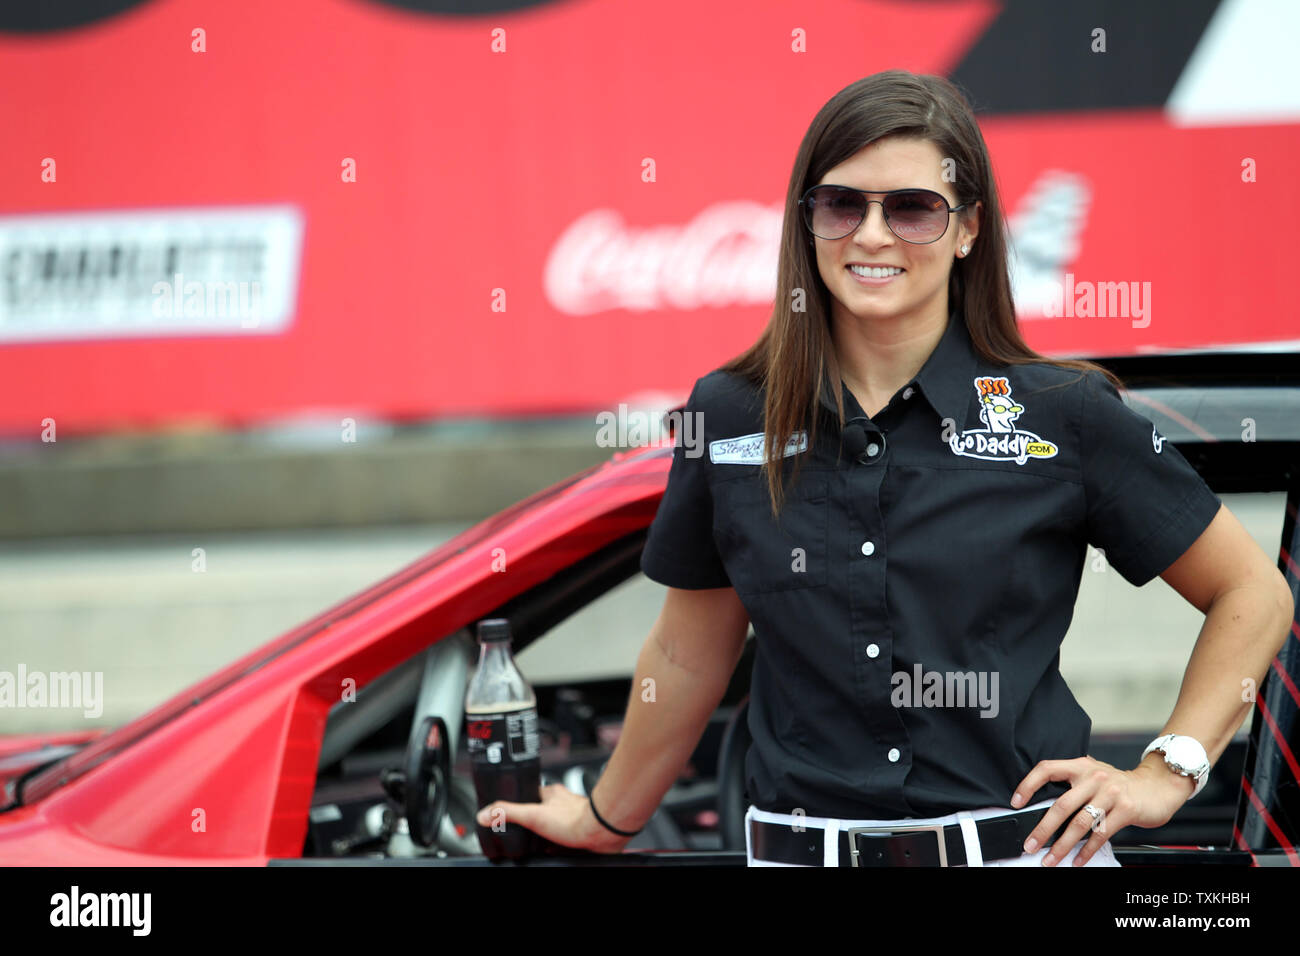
(725, 256)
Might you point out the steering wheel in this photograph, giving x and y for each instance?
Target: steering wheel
(427, 781)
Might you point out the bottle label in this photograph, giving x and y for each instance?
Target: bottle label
(510, 735)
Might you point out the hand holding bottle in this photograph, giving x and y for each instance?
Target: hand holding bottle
(562, 817)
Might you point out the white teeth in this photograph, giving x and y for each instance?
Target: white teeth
(874, 273)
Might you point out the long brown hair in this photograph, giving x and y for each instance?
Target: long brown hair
(793, 355)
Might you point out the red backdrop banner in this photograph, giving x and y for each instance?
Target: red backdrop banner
(550, 210)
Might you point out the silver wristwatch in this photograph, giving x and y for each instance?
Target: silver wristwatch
(1183, 755)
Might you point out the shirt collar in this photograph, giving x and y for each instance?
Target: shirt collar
(945, 379)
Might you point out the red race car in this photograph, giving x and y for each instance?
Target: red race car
(273, 761)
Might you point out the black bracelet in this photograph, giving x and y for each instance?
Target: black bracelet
(606, 825)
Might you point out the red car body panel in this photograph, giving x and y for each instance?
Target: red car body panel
(224, 772)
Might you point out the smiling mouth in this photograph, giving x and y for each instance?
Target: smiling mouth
(888, 272)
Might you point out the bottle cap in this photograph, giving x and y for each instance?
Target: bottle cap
(494, 629)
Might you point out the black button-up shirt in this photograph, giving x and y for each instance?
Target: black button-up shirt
(910, 603)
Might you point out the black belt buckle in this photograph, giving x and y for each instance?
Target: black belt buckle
(899, 831)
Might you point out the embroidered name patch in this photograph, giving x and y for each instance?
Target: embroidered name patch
(1001, 441)
(749, 449)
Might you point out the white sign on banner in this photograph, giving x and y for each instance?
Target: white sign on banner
(149, 273)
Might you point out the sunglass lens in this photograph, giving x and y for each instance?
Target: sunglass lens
(917, 215)
(834, 213)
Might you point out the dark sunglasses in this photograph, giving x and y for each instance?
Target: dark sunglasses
(913, 215)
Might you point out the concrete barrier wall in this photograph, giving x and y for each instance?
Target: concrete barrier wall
(218, 482)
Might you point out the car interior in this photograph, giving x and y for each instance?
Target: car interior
(360, 805)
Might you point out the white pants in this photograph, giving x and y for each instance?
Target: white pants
(1103, 857)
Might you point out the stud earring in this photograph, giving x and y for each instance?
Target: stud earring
(965, 249)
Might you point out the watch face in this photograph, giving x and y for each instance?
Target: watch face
(1184, 753)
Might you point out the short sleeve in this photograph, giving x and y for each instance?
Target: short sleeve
(679, 550)
(1146, 504)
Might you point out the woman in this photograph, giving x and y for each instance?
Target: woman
(899, 494)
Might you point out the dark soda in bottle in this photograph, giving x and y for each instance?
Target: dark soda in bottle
(503, 743)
